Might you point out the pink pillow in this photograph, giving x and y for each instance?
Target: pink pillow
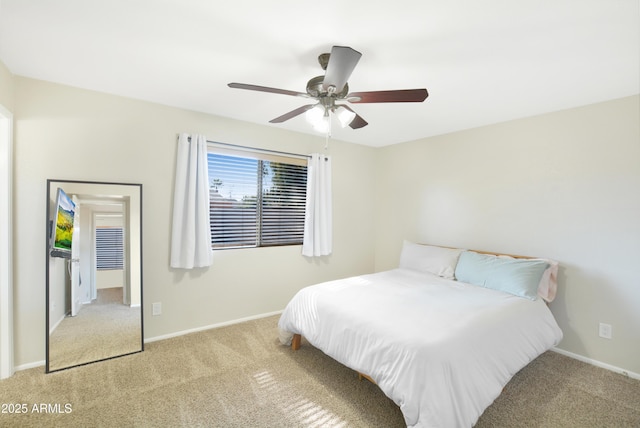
(548, 284)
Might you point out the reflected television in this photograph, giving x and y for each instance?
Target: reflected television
(62, 226)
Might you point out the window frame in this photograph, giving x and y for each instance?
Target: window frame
(261, 156)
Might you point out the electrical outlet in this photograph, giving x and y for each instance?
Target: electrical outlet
(156, 309)
(605, 330)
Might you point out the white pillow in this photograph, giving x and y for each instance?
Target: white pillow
(427, 258)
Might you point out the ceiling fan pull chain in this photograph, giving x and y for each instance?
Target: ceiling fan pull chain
(326, 140)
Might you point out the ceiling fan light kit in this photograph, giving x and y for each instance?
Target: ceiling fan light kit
(319, 118)
(331, 90)
(345, 117)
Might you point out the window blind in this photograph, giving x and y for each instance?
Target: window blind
(256, 200)
(109, 248)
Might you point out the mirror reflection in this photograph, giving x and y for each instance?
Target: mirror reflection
(94, 272)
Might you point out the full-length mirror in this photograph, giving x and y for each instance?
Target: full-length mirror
(94, 272)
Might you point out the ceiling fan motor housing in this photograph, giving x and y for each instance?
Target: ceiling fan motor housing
(315, 89)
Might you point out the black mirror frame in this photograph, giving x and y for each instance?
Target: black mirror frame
(48, 227)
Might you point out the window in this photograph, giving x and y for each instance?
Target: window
(109, 248)
(256, 200)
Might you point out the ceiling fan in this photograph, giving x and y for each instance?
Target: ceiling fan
(331, 92)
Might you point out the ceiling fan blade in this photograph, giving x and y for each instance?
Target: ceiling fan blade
(267, 89)
(357, 122)
(292, 114)
(399, 96)
(342, 61)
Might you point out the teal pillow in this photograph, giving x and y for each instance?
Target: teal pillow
(516, 276)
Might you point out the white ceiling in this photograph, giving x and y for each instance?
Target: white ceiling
(483, 61)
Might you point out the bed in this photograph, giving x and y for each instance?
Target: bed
(441, 335)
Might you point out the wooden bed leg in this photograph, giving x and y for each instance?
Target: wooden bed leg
(367, 377)
(296, 342)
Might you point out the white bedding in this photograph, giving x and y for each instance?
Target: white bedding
(440, 349)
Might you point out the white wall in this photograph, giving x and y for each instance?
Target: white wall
(564, 185)
(112, 278)
(6, 87)
(69, 133)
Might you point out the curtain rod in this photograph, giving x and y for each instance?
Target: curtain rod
(258, 149)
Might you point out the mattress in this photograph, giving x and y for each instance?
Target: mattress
(442, 350)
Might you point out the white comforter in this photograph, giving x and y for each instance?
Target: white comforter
(441, 350)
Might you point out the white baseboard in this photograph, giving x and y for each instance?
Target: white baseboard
(597, 363)
(209, 327)
(255, 317)
(52, 329)
(168, 336)
(31, 365)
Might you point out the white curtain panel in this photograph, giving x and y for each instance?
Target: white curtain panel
(317, 239)
(191, 231)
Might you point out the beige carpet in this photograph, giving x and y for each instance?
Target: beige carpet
(239, 376)
(102, 329)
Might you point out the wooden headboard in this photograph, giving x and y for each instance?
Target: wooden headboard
(515, 256)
